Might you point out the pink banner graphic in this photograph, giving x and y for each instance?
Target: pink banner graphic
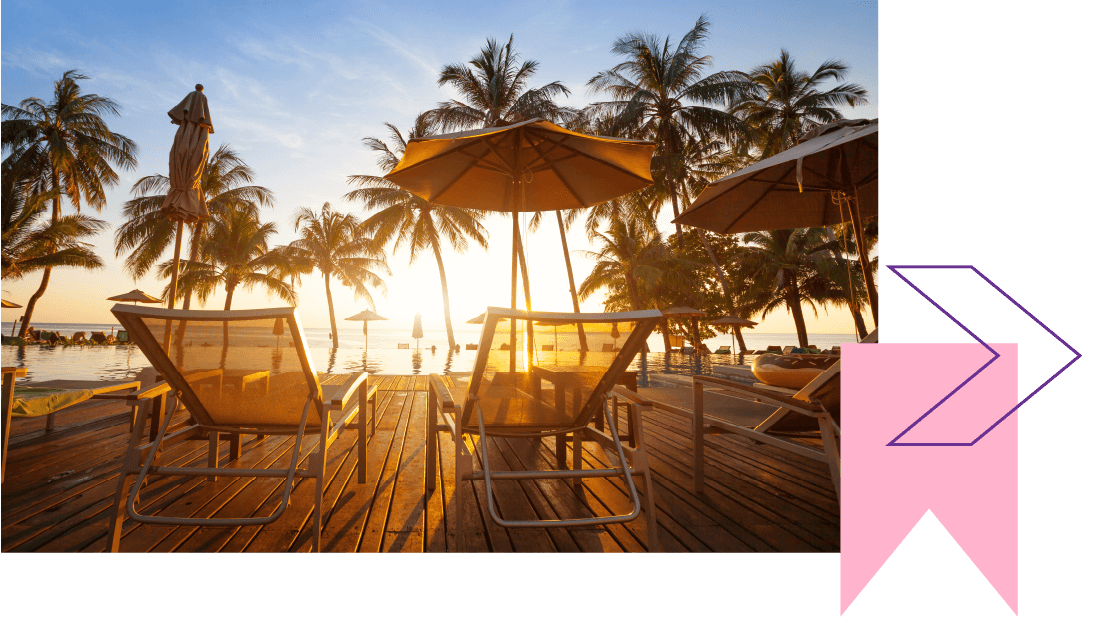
(972, 489)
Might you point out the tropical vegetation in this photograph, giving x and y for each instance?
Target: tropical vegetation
(705, 123)
(65, 148)
(407, 219)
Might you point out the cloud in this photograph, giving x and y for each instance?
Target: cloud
(425, 62)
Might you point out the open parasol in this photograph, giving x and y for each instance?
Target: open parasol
(533, 165)
(686, 312)
(8, 304)
(135, 296)
(366, 316)
(831, 177)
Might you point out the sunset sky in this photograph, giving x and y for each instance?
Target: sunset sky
(295, 87)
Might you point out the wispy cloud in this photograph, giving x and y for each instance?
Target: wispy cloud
(426, 62)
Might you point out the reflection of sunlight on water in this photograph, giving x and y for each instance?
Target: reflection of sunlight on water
(110, 363)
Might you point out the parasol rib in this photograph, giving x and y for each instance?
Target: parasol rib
(454, 180)
(479, 160)
(550, 164)
(755, 202)
(580, 202)
(603, 162)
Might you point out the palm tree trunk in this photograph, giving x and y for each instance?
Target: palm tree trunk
(741, 341)
(34, 299)
(38, 293)
(446, 301)
(796, 308)
(524, 272)
(527, 293)
(332, 312)
(665, 335)
(230, 286)
(858, 319)
(672, 184)
(573, 289)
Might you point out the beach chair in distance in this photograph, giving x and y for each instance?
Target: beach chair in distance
(815, 407)
(528, 394)
(403, 345)
(231, 387)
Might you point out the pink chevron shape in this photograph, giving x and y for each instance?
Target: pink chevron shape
(971, 490)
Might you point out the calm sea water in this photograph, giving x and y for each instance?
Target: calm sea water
(379, 355)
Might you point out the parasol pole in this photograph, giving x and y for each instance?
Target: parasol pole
(175, 266)
(515, 256)
(858, 231)
(172, 288)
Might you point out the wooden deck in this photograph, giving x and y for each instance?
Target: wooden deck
(60, 486)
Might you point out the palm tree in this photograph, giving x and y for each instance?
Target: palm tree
(564, 223)
(30, 245)
(781, 103)
(410, 220)
(235, 254)
(660, 93)
(226, 183)
(66, 147)
(336, 245)
(780, 265)
(630, 259)
(494, 91)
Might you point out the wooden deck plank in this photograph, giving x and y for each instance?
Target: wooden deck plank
(762, 499)
(61, 485)
(561, 496)
(81, 521)
(405, 524)
(396, 419)
(346, 521)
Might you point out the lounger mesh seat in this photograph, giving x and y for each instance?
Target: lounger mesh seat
(237, 373)
(524, 392)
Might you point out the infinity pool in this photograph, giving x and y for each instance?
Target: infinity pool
(90, 362)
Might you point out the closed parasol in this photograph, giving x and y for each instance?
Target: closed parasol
(418, 332)
(830, 177)
(185, 202)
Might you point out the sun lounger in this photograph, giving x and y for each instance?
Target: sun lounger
(403, 345)
(778, 416)
(47, 398)
(529, 394)
(232, 387)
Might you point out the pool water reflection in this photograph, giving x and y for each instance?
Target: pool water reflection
(118, 362)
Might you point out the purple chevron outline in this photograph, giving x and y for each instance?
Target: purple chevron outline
(1077, 355)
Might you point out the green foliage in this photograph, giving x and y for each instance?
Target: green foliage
(493, 91)
(147, 234)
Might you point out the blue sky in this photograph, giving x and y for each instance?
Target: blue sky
(296, 87)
